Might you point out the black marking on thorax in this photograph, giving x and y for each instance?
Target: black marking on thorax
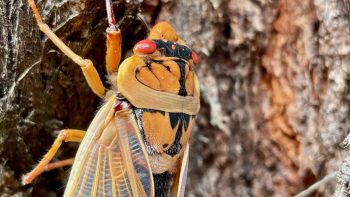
(182, 91)
(173, 49)
(180, 119)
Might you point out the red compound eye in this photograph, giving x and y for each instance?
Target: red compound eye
(145, 47)
(194, 57)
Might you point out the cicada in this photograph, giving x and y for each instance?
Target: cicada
(138, 142)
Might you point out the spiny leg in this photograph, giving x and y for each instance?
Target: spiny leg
(113, 52)
(66, 135)
(86, 65)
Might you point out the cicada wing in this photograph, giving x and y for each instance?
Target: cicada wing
(178, 188)
(83, 156)
(138, 174)
(117, 163)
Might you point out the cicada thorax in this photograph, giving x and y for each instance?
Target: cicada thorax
(165, 132)
(159, 81)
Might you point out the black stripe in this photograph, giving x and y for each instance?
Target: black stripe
(173, 49)
(179, 51)
(182, 120)
(182, 66)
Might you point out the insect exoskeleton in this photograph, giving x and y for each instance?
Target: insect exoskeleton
(159, 80)
(137, 144)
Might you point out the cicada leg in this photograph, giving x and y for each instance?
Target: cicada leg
(113, 41)
(86, 65)
(66, 135)
(59, 164)
(113, 50)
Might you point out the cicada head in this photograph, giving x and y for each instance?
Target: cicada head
(163, 63)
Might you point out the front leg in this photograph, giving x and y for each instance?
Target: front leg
(113, 40)
(113, 50)
(89, 71)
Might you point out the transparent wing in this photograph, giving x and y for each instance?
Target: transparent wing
(117, 163)
(138, 179)
(181, 175)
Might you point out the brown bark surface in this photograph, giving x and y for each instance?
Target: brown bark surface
(274, 89)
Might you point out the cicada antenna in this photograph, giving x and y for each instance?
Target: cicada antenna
(110, 15)
(144, 22)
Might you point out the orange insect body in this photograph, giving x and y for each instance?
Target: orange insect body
(137, 144)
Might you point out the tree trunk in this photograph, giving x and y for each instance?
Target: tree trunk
(274, 89)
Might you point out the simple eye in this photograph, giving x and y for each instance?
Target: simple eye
(145, 47)
(194, 57)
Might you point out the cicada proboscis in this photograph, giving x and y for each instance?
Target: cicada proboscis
(137, 144)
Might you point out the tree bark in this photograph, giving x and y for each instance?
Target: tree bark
(274, 89)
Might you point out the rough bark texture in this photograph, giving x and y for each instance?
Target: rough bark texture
(274, 83)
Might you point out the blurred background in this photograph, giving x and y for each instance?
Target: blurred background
(274, 78)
